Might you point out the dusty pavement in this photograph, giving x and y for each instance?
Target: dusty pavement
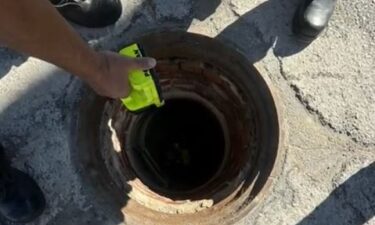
(326, 91)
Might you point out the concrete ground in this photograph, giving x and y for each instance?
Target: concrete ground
(326, 91)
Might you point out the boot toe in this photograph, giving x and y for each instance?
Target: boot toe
(310, 20)
(93, 13)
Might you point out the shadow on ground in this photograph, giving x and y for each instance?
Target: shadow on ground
(37, 112)
(351, 203)
(9, 58)
(267, 26)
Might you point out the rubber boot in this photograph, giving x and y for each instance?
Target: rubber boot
(90, 13)
(311, 18)
(21, 199)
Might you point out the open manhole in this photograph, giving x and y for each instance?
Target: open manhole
(177, 148)
(207, 157)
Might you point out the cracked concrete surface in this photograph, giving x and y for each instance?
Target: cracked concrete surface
(326, 92)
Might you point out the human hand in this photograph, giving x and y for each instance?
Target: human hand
(111, 79)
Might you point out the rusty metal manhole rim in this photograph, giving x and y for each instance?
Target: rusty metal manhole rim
(194, 40)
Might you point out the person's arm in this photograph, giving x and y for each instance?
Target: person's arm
(36, 28)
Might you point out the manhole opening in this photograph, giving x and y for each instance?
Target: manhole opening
(179, 147)
(206, 157)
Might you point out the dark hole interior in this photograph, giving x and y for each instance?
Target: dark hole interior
(183, 146)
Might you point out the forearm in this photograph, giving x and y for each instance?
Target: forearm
(36, 28)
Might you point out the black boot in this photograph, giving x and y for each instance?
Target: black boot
(21, 200)
(311, 18)
(90, 13)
